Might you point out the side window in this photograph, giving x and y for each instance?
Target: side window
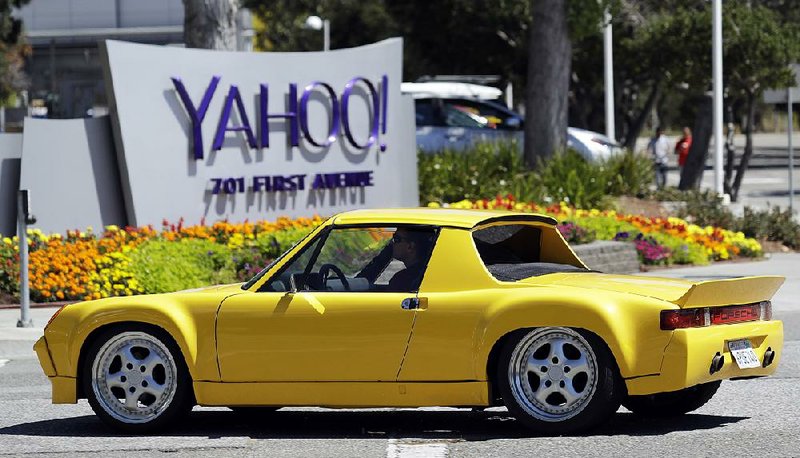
(425, 112)
(378, 259)
(456, 115)
(496, 117)
(282, 281)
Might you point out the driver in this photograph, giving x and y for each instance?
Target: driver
(409, 247)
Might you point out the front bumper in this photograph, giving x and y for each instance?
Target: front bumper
(688, 356)
(64, 388)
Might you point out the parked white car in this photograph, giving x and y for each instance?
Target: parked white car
(456, 115)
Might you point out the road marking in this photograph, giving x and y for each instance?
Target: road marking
(3, 362)
(415, 448)
(763, 180)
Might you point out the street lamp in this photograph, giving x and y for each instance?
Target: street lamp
(317, 23)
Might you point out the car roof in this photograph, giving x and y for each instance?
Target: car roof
(448, 217)
(448, 89)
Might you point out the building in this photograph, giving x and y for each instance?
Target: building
(65, 68)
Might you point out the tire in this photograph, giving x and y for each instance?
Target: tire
(559, 380)
(673, 403)
(136, 380)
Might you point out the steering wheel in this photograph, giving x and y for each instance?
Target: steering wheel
(323, 272)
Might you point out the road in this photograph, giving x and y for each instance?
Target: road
(746, 418)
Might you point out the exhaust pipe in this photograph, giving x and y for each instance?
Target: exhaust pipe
(716, 363)
(769, 356)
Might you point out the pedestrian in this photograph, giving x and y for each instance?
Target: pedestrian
(682, 147)
(658, 148)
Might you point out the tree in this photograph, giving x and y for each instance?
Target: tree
(549, 67)
(443, 37)
(13, 50)
(210, 24)
(758, 51)
(554, 26)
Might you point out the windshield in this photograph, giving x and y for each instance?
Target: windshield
(263, 271)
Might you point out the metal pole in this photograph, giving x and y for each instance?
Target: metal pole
(791, 151)
(326, 30)
(22, 234)
(717, 77)
(608, 65)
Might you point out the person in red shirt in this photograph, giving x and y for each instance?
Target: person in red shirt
(682, 147)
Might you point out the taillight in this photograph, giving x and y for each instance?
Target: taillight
(707, 316)
(736, 314)
(686, 318)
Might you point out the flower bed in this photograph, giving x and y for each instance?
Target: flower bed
(658, 240)
(122, 262)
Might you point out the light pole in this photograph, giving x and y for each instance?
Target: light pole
(317, 23)
(716, 59)
(608, 66)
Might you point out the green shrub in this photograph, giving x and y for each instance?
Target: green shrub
(772, 224)
(489, 169)
(161, 265)
(484, 170)
(605, 227)
(705, 208)
(249, 260)
(570, 178)
(629, 174)
(682, 252)
(9, 270)
(575, 234)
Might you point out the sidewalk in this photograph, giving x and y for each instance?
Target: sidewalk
(8, 324)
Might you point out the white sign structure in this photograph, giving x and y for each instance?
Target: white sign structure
(209, 135)
(69, 168)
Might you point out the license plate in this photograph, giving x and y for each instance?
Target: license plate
(743, 353)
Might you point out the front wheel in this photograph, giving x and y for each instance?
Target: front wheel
(673, 403)
(135, 379)
(559, 380)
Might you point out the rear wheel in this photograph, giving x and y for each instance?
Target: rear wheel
(672, 403)
(559, 380)
(135, 379)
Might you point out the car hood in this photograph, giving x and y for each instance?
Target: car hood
(231, 288)
(682, 293)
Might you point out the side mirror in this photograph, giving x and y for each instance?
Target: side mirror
(514, 123)
(298, 282)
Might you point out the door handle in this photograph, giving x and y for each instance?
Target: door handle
(414, 303)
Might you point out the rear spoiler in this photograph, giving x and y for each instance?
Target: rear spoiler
(745, 290)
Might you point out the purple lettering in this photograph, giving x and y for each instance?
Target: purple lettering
(374, 124)
(196, 114)
(301, 182)
(260, 182)
(385, 100)
(222, 127)
(333, 131)
(294, 136)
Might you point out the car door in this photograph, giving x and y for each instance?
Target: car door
(342, 323)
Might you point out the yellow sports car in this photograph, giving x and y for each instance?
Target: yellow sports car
(418, 307)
